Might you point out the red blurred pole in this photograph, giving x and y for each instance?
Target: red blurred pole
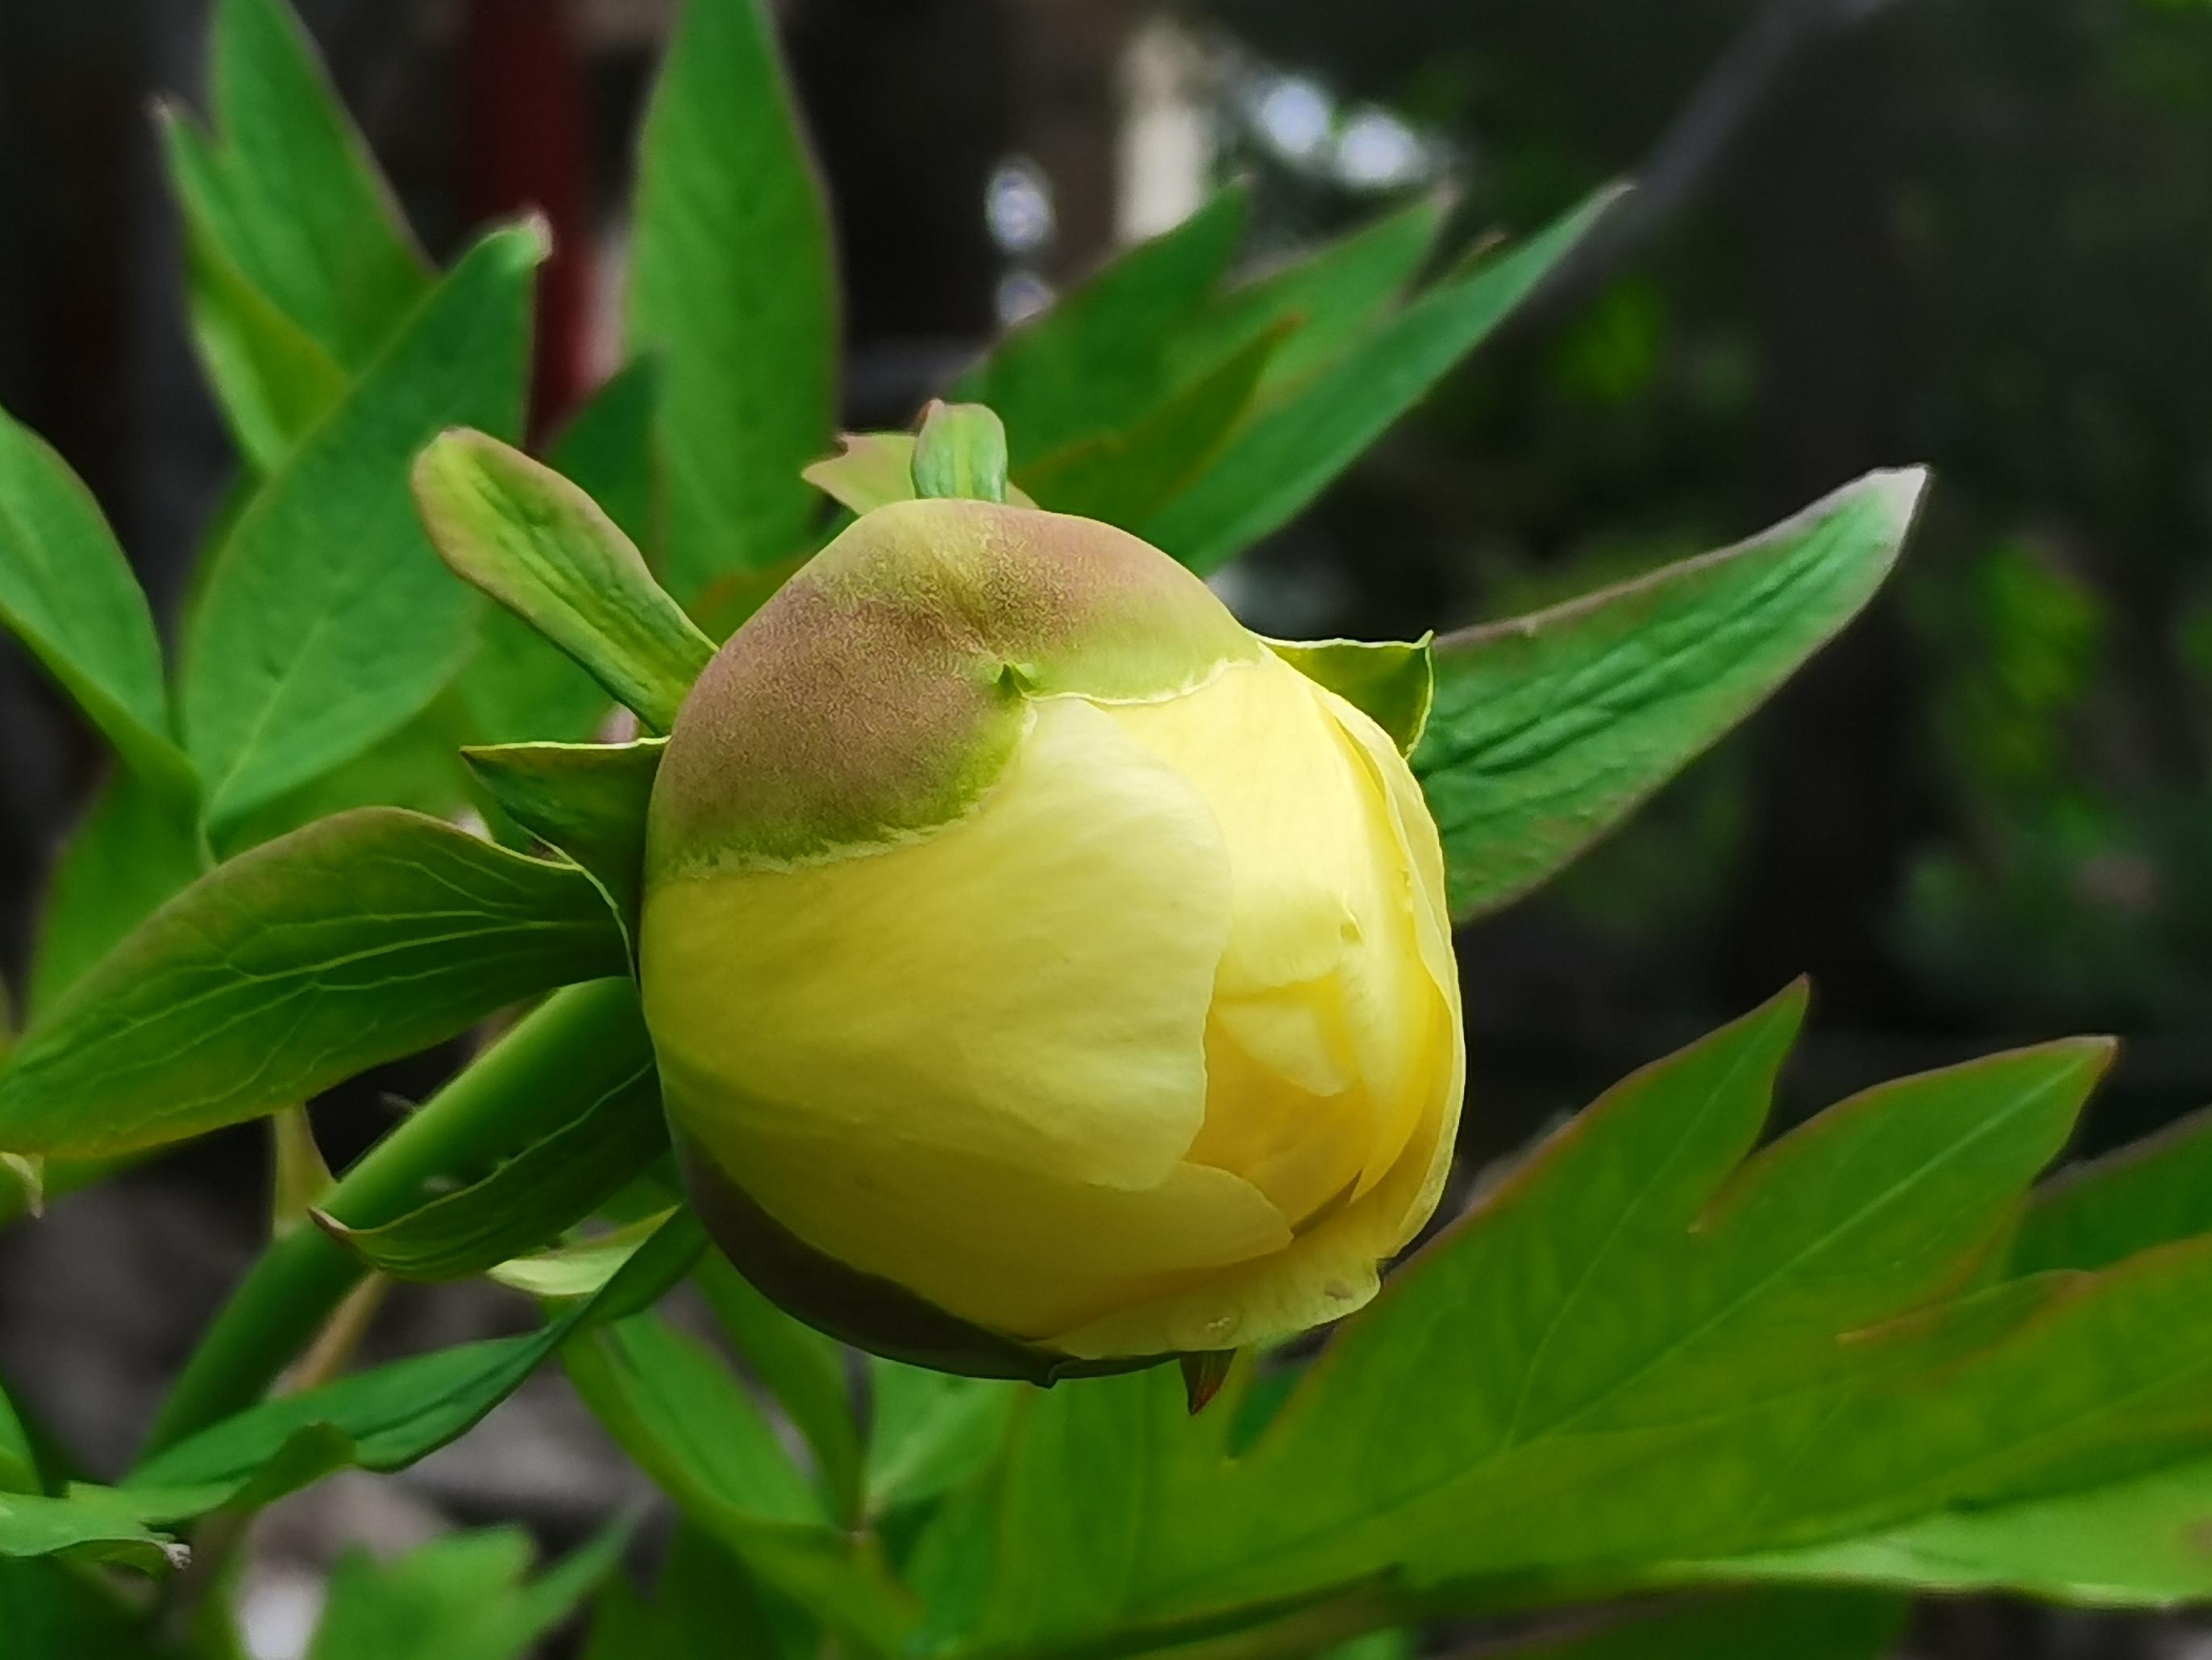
(525, 143)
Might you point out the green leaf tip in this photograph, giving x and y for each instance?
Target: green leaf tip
(533, 541)
(960, 451)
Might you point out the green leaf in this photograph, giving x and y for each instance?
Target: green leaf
(1331, 297)
(1642, 1343)
(464, 1596)
(87, 1526)
(579, 1269)
(1757, 1624)
(550, 1185)
(272, 380)
(960, 454)
(327, 621)
(803, 1369)
(19, 1461)
(1288, 454)
(48, 1609)
(2155, 1192)
(418, 767)
(137, 846)
(388, 1417)
(354, 941)
(1124, 476)
(685, 1420)
(285, 186)
(67, 593)
(1548, 730)
(542, 548)
(1393, 683)
(588, 800)
(1100, 360)
(519, 685)
(931, 1431)
(733, 291)
(2144, 1542)
(705, 1607)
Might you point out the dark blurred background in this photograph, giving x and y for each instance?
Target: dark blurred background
(1973, 233)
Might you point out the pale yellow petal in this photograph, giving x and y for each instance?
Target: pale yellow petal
(1028, 985)
(1012, 1250)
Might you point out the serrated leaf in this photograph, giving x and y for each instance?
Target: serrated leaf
(2154, 1192)
(1332, 296)
(803, 1369)
(588, 800)
(328, 622)
(136, 847)
(1393, 683)
(464, 1596)
(390, 1416)
(1124, 476)
(1636, 1342)
(525, 536)
(733, 291)
(1101, 358)
(550, 1185)
(354, 941)
(681, 1415)
(286, 187)
(1549, 730)
(1289, 452)
(67, 593)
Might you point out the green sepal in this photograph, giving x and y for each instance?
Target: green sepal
(541, 547)
(960, 454)
(586, 800)
(552, 1184)
(873, 470)
(1393, 683)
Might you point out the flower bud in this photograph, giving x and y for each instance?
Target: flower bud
(1045, 974)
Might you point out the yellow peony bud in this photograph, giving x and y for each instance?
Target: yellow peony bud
(1045, 974)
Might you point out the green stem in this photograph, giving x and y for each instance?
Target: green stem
(575, 1047)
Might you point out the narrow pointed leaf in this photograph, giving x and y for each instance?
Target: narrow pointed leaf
(1329, 298)
(1289, 453)
(550, 1186)
(1124, 476)
(1549, 730)
(525, 536)
(588, 800)
(352, 942)
(733, 289)
(83, 1527)
(328, 622)
(579, 1270)
(285, 186)
(1101, 358)
(67, 593)
(2154, 1192)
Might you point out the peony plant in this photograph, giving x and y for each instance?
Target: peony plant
(878, 887)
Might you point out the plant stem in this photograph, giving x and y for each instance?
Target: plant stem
(574, 1047)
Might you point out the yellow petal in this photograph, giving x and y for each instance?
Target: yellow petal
(1027, 986)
